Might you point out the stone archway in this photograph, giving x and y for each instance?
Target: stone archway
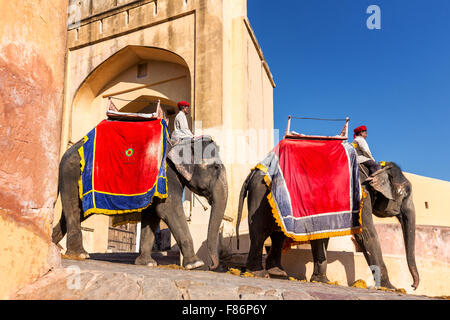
(135, 78)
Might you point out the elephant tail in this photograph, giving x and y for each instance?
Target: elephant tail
(242, 196)
(60, 229)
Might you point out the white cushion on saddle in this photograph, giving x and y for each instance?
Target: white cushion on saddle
(129, 115)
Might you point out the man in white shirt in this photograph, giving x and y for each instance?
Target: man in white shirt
(363, 151)
(181, 127)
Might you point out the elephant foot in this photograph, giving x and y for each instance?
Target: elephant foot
(387, 284)
(277, 272)
(220, 269)
(71, 255)
(319, 278)
(259, 273)
(145, 261)
(194, 265)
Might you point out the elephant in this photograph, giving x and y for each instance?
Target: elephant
(388, 197)
(204, 174)
(262, 225)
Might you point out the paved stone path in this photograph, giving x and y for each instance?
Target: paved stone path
(118, 279)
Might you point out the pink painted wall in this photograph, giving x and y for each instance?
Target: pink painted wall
(32, 58)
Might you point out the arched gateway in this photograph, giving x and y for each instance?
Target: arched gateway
(134, 78)
(139, 52)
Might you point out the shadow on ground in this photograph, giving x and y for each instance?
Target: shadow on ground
(161, 257)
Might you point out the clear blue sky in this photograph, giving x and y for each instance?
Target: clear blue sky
(326, 63)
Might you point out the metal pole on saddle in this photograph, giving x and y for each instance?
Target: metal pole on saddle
(159, 110)
(293, 135)
(111, 105)
(344, 132)
(288, 128)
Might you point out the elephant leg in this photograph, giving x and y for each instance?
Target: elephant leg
(60, 230)
(254, 258)
(273, 261)
(319, 253)
(261, 225)
(149, 226)
(370, 244)
(72, 216)
(173, 215)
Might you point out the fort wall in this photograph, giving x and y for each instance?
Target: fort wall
(31, 100)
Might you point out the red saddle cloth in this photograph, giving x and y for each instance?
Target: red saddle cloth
(317, 176)
(314, 188)
(123, 166)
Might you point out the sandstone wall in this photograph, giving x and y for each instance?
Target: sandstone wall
(31, 99)
(347, 264)
(231, 88)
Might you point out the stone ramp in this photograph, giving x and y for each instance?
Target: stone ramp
(114, 277)
(162, 257)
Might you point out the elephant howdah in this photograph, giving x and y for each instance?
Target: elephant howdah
(201, 171)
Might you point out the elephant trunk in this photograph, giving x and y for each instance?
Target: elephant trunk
(408, 223)
(218, 203)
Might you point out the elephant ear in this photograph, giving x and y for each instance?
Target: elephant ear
(181, 155)
(382, 184)
(395, 188)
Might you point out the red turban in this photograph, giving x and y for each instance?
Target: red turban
(359, 129)
(183, 104)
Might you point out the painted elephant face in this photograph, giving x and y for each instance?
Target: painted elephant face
(392, 183)
(198, 158)
(394, 187)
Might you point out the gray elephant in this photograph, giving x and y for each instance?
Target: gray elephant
(203, 173)
(389, 194)
(262, 225)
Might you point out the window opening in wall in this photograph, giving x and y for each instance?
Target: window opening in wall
(127, 17)
(100, 28)
(142, 70)
(156, 8)
(426, 205)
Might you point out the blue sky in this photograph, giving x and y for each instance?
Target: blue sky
(326, 63)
